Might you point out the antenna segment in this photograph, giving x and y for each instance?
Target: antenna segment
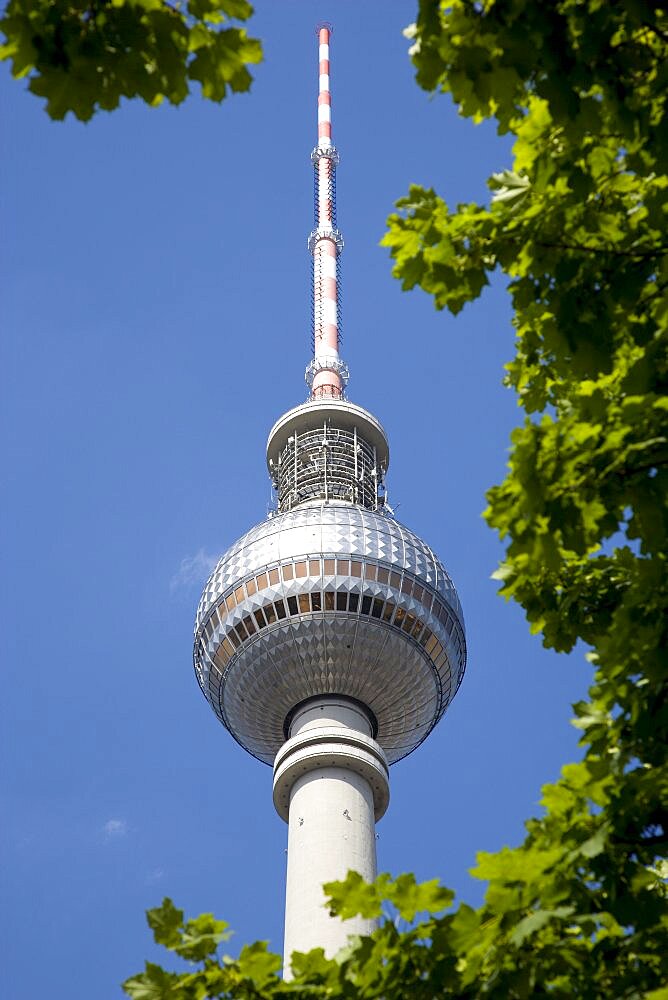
(326, 375)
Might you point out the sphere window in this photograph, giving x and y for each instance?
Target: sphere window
(221, 657)
(409, 623)
(328, 600)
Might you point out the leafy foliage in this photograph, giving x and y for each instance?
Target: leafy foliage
(85, 55)
(577, 223)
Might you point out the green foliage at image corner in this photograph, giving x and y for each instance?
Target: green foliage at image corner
(83, 56)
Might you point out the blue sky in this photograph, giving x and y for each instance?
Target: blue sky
(156, 323)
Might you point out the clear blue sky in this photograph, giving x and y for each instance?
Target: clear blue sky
(156, 323)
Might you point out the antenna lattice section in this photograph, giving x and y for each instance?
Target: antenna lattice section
(329, 463)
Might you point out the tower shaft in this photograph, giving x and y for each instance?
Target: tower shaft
(331, 784)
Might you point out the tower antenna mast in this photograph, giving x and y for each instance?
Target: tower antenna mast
(327, 374)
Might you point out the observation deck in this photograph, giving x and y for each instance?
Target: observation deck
(331, 450)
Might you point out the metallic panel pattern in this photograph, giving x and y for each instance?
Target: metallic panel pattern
(337, 529)
(253, 675)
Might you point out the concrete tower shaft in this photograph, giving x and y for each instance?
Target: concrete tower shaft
(331, 785)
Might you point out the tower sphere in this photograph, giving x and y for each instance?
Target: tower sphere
(328, 597)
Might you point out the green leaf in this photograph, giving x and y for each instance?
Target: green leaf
(536, 921)
(258, 964)
(166, 922)
(354, 897)
(201, 937)
(411, 897)
(154, 984)
(509, 188)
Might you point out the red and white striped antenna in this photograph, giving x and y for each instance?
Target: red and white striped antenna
(327, 374)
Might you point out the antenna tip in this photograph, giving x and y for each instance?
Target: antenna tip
(324, 26)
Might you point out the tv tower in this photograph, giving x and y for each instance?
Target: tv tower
(329, 639)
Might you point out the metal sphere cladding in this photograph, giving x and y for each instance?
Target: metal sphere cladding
(331, 595)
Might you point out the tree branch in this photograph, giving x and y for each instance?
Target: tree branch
(578, 247)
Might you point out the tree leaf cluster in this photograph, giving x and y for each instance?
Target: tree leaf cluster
(86, 55)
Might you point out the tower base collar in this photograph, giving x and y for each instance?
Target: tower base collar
(334, 744)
